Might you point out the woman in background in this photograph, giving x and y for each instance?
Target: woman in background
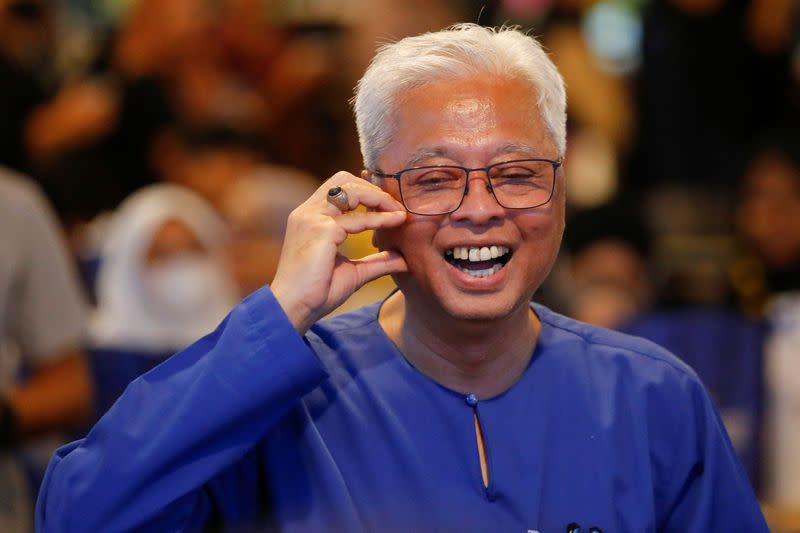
(161, 284)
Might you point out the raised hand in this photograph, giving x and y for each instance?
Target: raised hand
(312, 277)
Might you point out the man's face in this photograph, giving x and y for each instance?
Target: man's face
(472, 122)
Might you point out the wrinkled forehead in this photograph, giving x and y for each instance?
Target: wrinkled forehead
(452, 114)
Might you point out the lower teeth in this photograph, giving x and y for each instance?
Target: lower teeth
(483, 273)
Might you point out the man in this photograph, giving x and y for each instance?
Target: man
(42, 321)
(453, 405)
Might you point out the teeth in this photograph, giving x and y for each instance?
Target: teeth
(477, 254)
(483, 273)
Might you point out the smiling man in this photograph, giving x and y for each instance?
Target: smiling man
(454, 405)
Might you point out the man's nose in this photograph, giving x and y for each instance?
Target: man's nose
(479, 205)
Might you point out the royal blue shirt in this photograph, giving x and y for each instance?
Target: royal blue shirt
(254, 428)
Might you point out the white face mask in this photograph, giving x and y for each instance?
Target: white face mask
(186, 287)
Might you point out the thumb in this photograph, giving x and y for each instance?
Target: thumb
(376, 265)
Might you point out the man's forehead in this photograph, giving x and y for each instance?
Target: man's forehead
(474, 118)
(428, 153)
(469, 107)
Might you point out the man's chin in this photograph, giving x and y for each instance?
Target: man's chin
(448, 301)
(483, 309)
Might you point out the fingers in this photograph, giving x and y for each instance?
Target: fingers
(371, 196)
(385, 211)
(312, 278)
(359, 192)
(358, 221)
(312, 222)
(379, 264)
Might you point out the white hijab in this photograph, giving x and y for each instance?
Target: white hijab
(126, 318)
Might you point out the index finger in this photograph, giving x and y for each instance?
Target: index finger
(361, 191)
(371, 196)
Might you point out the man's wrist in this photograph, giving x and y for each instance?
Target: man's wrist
(9, 426)
(297, 314)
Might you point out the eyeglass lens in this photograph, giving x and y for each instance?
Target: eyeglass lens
(439, 190)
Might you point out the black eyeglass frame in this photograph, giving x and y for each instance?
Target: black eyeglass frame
(396, 175)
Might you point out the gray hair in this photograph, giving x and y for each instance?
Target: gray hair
(459, 51)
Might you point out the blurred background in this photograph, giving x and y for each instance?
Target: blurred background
(150, 151)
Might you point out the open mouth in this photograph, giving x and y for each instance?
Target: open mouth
(479, 262)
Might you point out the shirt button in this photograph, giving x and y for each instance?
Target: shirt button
(471, 400)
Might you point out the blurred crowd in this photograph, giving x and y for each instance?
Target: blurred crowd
(151, 150)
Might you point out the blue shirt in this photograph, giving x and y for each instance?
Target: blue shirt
(255, 428)
(725, 349)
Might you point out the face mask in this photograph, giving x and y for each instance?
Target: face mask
(186, 286)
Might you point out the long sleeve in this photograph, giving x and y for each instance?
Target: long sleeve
(181, 433)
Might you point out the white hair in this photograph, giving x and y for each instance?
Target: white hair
(460, 51)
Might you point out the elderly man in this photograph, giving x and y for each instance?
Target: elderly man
(454, 405)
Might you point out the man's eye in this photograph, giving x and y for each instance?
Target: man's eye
(436, 179)
(431, 179)
(512, 174)
(517, 174)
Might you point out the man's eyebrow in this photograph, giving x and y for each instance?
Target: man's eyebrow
(424, 154)
(525, 150)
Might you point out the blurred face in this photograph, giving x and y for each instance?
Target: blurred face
(609, 284)
(173, 238)
(181, 279)
(254, 250)
(208, 171)
(25, 30)
(768, 215)
(472, 122)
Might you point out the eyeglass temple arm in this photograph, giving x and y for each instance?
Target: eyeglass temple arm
(381, 174)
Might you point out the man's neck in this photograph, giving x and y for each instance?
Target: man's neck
(481, 357)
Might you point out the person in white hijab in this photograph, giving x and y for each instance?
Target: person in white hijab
(161, 283)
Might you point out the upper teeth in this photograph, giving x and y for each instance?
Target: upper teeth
(477, 254)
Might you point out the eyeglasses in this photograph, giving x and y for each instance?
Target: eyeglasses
(440, 189)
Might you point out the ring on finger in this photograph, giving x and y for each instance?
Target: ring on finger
(337, 197)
